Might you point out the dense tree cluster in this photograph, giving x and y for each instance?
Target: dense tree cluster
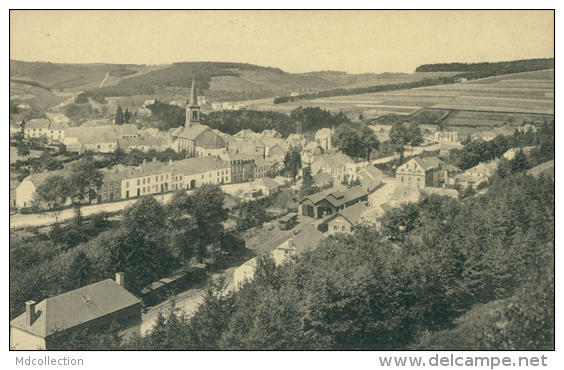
(231, 122)
(356, 143)
(166, 116)
(315, 118)
(485, 69)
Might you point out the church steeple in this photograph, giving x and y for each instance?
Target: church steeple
(192, 107)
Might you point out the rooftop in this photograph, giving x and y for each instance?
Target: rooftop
(76, 307)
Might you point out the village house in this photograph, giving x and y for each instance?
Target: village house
(267, 185)
(446, 136)
(323, 138)
(402, 196)
(194, 172)
(37, 127)
(293, 141)
(149, 178)
(242, 166)
(111, 184)
(246, 135)
(476, 175)
(370, 177)
(310, 151)
(262, 166)
(346, 220)
(527, 127)
(419, 173)
(331, 201)
(94, 306)
(338, 165)
(250, 145)
(26, 189)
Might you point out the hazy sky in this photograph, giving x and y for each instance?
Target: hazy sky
(294, 41)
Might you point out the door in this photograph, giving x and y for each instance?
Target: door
(192, 184)
(111, 197)
(138, 192)
(127, 194)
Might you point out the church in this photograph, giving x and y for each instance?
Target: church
(196, 139)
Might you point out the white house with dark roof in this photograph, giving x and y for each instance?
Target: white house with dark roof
(338, 165)
(93, 306)
(26, 189)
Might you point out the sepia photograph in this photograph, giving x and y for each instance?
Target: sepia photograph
(283, 180)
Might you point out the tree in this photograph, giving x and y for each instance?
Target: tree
(126, 116)
(369, 142)
(119, 119)
(399, 136)
(250, 214)
(182, 229)
(348, 141)
(307, 181)
(84, 177)
(51, 195)
(293, 162)
(209, 213)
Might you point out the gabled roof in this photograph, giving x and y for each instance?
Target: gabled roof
(271, 133)
(38, 178)
(267, 182)
(335, 161)
(58, 126)
(176, 131)
(424, 163)
(322, 179)
(129, 130)
(370, 172)
(193, 166)
(351, 214)
(193, 131)
(76, 307)
(209, 139)
(244, 134)
(37, 123)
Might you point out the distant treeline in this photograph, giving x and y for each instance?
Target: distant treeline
(367, 90)
(31, 83)
(494, 68)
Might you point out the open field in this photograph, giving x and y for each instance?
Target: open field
(520, 93)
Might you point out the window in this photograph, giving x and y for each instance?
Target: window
(217, 173)
(111, 187)
(202, 176)
(143, 190)
(33, 130)
(59, 131)
(167, 176)
(226, 179)
(156, 178)
(335, 228)
(138, 182)
(127, 184)
(51, 131)
(99, 146)
(210, 174)
(343, 228)
(418, 179)
(409, 179)
(222, 172)
(161, 177)
(402, 178)
(180, 177)
(148, 180)
(105, 187)
(143, 183)
(105, 196)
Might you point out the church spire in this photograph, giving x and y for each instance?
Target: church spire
(192, 107)
(193, 97)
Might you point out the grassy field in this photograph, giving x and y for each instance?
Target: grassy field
(520, 93)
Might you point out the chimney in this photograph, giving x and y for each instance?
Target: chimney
(30, 312)
(120, 279)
